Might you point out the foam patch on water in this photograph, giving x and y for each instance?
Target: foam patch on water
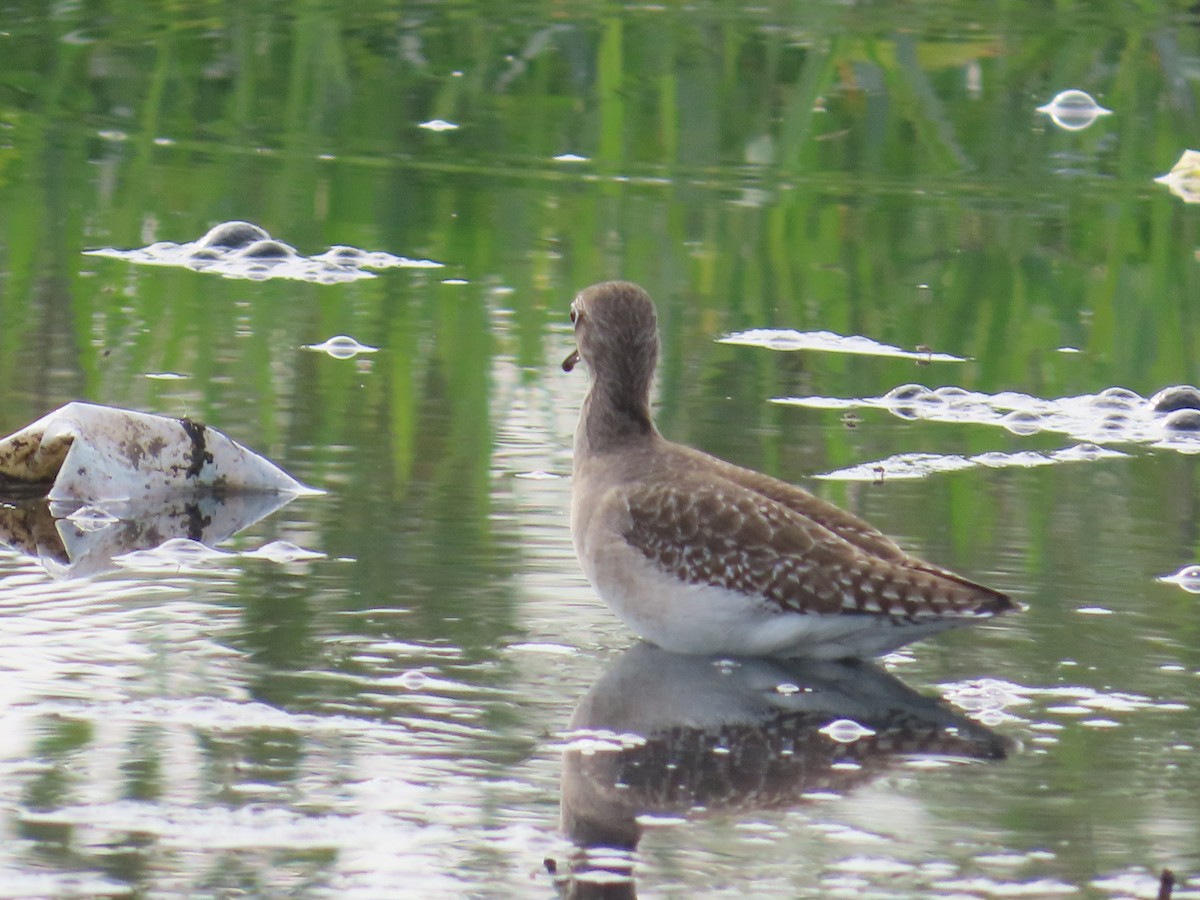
(282, 552)
(990, 701)
(1169, 420)
(922, 465)
(185, 556)
(218, 827)
(829, 342)
(598, 740)
(214, 714)
(244, 250)
(175, 555)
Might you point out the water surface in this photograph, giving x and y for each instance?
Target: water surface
(393, 717)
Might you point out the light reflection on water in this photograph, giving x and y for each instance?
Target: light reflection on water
(384, 767)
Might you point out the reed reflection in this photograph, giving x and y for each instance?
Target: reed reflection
(664, 735)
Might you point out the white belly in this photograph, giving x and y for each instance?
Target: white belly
(702, 619)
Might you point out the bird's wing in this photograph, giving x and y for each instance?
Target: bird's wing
(845, 525)
(705, 531)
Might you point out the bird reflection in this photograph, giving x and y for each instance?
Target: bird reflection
(665, 735)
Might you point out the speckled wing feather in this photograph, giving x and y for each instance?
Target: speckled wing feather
(844, 524)
(720, 534)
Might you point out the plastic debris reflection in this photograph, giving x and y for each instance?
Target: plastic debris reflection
(87, 485)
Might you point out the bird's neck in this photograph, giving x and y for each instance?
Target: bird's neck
(615, 413)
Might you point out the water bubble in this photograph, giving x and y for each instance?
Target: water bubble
(341, 346)
(282, 552)
(1085, 453)
(268, 249)
(1089, 451)
(1117, 398)
(1178, 396)
(1117, 393)
(233, 235)
(1187, 578)
(175, 553)
(909, 393)
(414, 680)
(846, 731)
(1021, 421)
(343, 255)
(1073, 110)
(953, 394)
(1182, 420)
(92, 518)
(438, 125)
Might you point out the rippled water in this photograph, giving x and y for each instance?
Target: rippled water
(405, 687)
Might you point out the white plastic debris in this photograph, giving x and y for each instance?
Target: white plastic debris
(1184, 178)
(94, 454)
(122, 482)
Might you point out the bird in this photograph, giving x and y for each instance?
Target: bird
(701, 556)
